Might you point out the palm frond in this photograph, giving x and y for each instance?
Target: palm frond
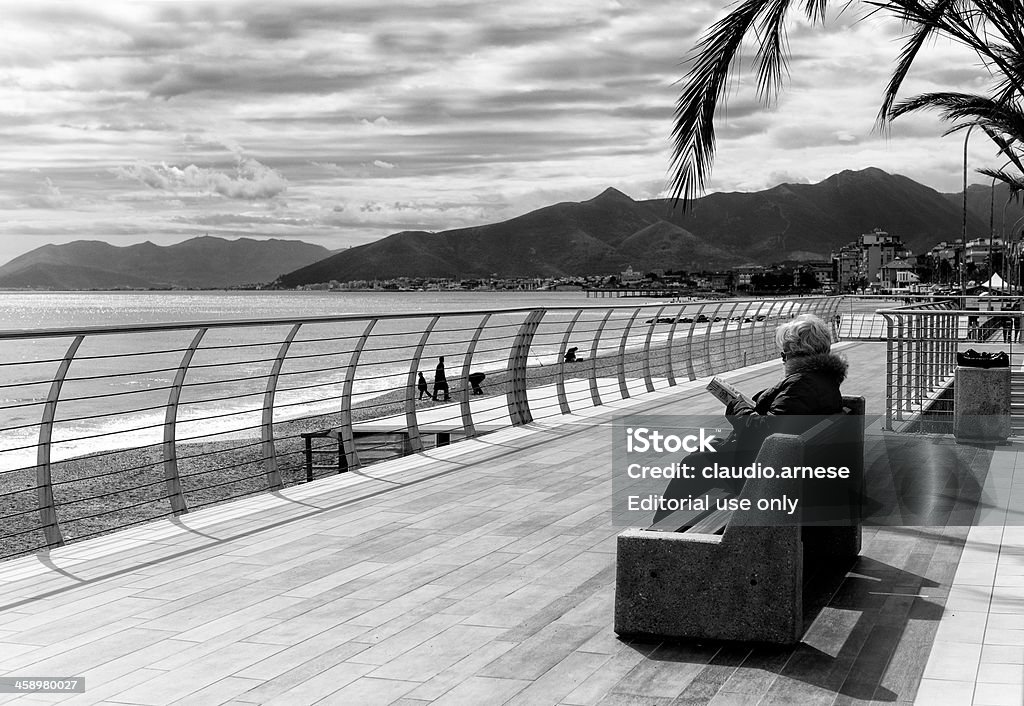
(771, 32)
(1006, 147)
(1002, 122)
(925, 20)
(1005, 118)
(1014, 181)
(693, 131)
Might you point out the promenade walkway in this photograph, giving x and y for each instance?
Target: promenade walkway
(483, 573)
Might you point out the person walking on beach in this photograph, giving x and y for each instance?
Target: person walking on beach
(440, 381)
(421, 385)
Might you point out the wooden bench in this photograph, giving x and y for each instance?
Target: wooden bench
(442, 431)
(750, 576)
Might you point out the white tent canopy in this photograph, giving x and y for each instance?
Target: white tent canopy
(995, 282)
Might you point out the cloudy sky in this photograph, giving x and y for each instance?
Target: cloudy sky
(342, 122)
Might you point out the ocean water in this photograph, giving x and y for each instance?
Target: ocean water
(40, 310)
(119, 385)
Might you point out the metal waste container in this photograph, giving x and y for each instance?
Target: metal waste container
(981, 398)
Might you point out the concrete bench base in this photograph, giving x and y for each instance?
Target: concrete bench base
(750, 582)
(668, 585)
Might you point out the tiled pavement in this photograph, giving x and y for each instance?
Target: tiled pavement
(483, 573)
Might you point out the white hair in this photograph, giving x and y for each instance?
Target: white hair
(804, 335)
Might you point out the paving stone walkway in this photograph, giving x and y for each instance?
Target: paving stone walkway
(483, 573)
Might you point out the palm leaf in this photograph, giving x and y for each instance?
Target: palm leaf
(1014, 181)
(693, 131)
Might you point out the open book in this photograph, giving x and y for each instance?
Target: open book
(726, 393)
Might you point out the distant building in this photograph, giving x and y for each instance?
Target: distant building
(630, 276)
(977, 251)
(721, 281)
(898, 274)
(877, 249)
(822, 272)
(742, 275)
(846, 267)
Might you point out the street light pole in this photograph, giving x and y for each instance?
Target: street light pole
(963, 283)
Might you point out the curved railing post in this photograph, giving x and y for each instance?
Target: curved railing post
(708, 335)
(563, 401)
(44, 478)
(465, 408)
(734, 339)
(595, 394)
(670, 345)
(518, 404)
(744, 336)
(345, 433)
(172, 479)
(648, 382)
(621, 365)
(412, 427)
(274, 481)
(691, 371)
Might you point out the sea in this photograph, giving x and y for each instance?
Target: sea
(117, 389)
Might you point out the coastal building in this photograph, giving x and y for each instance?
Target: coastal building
(898, 274)
(721, 281)
(846, 267)
(978, 250)
(820, 270)
(630, 276)
(742, 275)
(877, 249)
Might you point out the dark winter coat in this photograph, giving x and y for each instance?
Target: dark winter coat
(810, 389)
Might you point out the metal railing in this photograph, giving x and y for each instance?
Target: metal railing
(859, 318)
(104, 427)
(922, 342)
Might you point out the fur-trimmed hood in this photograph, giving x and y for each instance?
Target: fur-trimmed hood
(828, 364)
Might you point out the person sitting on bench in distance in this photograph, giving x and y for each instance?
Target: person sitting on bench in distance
(809, 388)
(570, 355)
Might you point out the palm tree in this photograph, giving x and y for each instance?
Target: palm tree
(992, 29)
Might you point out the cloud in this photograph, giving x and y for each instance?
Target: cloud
(389, 115)
(48, 195)
(244, 219)
(251, 180)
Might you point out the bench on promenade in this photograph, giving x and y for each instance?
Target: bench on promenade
(442, 431)
(750, 576)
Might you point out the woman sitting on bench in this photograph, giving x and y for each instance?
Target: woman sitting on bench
(809, 388)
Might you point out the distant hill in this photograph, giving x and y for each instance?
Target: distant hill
(988, 205)
(805, 221)
(612, 231)
(605, 234)
(205, 262)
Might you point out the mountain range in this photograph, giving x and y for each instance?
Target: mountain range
(204, 262)
(612, 231)
(602, 235)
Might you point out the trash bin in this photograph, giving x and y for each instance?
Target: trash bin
(981, 397)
